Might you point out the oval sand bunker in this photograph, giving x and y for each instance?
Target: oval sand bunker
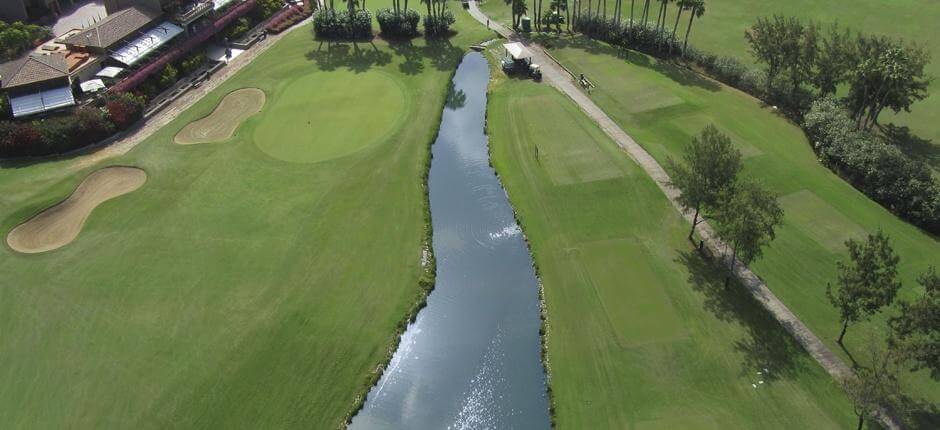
(234, 109)
(60, 224)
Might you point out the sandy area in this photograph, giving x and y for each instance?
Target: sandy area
(234, 109)
(58, 225)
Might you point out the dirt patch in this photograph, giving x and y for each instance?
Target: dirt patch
(58, 225)
(234, 109)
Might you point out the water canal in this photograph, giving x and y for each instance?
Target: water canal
(471, 358)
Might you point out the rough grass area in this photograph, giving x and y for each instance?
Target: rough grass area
(641, 332)
(234, 289)
(721, 31)
(802, 259)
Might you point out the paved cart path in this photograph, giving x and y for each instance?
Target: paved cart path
(557, 76)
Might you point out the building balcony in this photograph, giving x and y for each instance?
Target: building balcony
(193, 11)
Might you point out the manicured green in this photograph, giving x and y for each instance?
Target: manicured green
(234, 289)
(642, 333)
(822, 210)
(324, 107)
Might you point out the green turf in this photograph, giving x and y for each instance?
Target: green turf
(323, 107)
(642, 334)
(721, 31)
(801, 261)
(234, 289)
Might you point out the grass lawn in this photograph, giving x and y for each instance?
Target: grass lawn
(822, 210)
(253, 283)
(721, 31)
(642, 333)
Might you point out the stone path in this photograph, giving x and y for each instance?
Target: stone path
(557, 76)
(124, 142)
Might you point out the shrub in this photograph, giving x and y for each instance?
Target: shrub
(238, 28)
(435, 25)
(19, 139)
(877, 168)
(333, 24)
(402, 24)
(642, 38)
(124, 109)
(266, 8)
(192, 62)
(168, 76)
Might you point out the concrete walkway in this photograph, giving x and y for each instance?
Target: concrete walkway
(557, 76)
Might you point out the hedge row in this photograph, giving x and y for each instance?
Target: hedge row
(62, 133)
(879, 169)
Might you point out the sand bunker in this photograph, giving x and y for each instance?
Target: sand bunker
(235, 108)
(60, 224)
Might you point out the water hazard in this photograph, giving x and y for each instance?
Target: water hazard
(471, 358)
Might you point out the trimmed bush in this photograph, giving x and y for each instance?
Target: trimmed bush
(401, 24)
(333, 24)
(438, 25)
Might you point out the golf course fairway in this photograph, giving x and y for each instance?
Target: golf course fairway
(641, 332)
(821, 210)
(235, 289)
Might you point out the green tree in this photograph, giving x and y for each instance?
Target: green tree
(710, 166)
(771, 42)
(17, 36)
(915, 332)
(747, 218)
(867, 283)
(168, 76)
(696, 9)
(889, 75)
(872, 388)
(836, 56)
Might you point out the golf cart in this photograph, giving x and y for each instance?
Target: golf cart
(518, 59)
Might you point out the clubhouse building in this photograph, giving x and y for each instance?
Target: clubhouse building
(135, 33)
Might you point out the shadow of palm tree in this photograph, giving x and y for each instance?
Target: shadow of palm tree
(766, 346)
(354, 56)
(413, 63)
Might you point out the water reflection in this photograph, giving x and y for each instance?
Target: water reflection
(471, 359)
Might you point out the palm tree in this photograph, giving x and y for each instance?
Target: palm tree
(682, 5)
(632, 4)
(697, 9)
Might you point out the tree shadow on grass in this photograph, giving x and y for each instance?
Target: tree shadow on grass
(676, 73)
(766, 346)
(355, 56)
(920, 413)
(913, 145)
(444, 55)
(413, 58)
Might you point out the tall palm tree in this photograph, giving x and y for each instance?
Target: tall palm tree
(696, 9)
(632, 4)
(682, 5)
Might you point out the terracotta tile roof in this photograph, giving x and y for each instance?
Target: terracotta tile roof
(33, 68)
(114, 27)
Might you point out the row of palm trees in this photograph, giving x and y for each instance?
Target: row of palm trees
(696, 9)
